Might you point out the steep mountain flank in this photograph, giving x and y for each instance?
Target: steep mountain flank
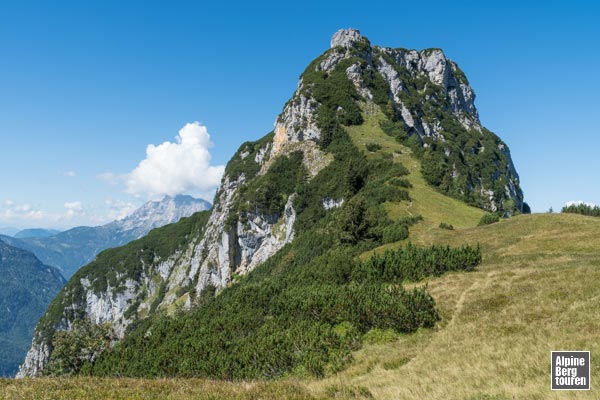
(28, 286)
(120, 283)
(293, 211)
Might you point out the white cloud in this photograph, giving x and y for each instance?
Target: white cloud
(119, 209)
(13, 211)
(25, 215)
(579, 202)
(70, 174)
(175, 168)
(73, 209)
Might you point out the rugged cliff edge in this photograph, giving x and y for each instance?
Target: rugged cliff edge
(429, 105)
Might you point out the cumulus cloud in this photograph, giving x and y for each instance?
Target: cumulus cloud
(175, 168)
(579, 202)
(70, 174)
(13, 211)
(73, 209)
(26, 215)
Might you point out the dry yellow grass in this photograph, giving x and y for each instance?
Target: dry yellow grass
(537, 290)
(146, 389)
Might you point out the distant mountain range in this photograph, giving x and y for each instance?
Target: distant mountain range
(71, 249)
(9, 230)
(35, 233)
(27, 287)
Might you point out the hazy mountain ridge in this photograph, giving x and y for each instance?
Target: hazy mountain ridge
(78, 246)
(35, 233)
(8, 230)
(28, 286)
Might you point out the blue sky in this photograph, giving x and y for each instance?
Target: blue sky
(85, 87)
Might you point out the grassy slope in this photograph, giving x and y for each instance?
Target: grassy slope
(433, 206)
(536, 291)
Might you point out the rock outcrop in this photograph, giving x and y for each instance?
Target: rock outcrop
(36, 359)
(345, 37)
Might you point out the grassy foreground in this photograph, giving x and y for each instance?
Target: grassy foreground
(147, 389)
(537, 290)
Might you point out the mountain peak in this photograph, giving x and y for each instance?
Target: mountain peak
(179, 200)
(280, 193)
(346, 37)
(423, 94)
(153, 214)
(182, 198)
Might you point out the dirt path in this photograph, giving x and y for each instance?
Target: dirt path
(479, 283)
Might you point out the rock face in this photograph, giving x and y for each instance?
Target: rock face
(296, 124)
(428, 92)
(35, 361)
(422, 92)
(345, 37)
(329, 203)
(441, 72)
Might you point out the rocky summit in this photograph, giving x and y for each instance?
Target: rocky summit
(292, 211)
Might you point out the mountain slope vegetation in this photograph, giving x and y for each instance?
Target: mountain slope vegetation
(292, 301)
(277, 280)
(344, 258)
(536, 290)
